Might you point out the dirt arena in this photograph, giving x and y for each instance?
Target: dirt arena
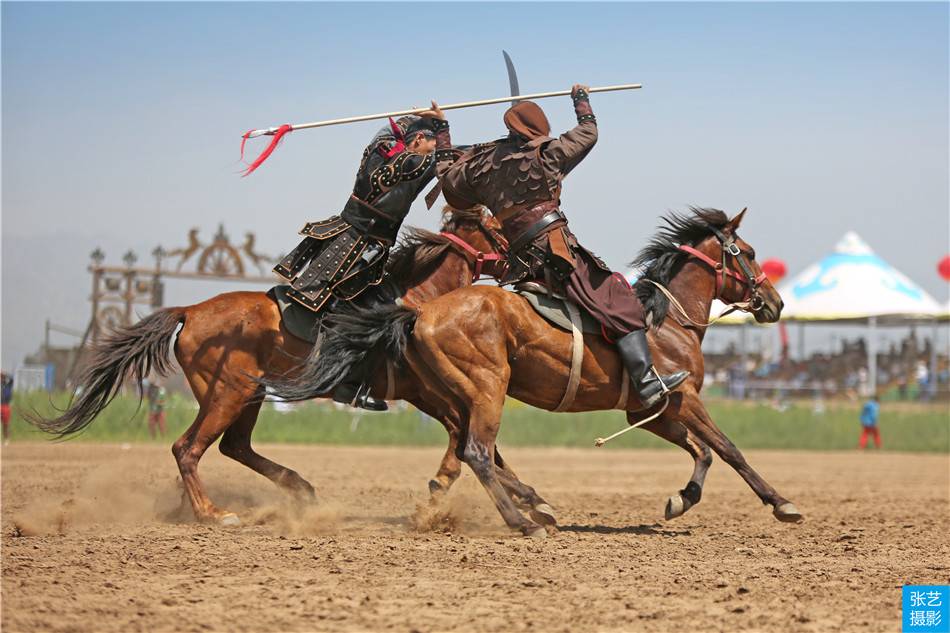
(91, 543)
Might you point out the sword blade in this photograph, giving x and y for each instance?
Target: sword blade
(512, 77)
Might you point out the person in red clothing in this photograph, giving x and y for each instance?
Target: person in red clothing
(869, 415)
(6, 397)
(156, 409)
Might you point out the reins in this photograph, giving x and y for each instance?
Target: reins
(730, 308)
(721, 271)
(481, 259)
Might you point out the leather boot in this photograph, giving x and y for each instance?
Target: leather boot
(358, 396)
(635, 354)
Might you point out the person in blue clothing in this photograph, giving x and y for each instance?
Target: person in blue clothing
(869, 415)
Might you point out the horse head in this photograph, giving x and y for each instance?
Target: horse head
(477, 234)
(739, 278)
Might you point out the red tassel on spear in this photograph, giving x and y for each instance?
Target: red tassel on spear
(282, 131)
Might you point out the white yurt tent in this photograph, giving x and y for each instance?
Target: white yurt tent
(853, 284)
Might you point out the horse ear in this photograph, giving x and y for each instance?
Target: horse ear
(736, 220)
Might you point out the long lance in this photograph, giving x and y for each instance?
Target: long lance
(279, 132)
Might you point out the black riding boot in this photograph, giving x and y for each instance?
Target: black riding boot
(357, 395)
(635, 354)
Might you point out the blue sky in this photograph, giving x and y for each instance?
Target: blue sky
(121, 123)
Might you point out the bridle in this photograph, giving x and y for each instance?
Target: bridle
(492, 265)
(751, 301)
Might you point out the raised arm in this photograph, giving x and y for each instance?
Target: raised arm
(565, 152)
(451, 181)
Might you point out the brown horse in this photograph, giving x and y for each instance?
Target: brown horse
(475, 345)
(230, 342)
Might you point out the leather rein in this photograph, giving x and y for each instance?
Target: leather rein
(491, 265)
(751, 301)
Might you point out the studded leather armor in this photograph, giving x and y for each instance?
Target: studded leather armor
(343, 255)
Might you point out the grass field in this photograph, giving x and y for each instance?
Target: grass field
(904, 426)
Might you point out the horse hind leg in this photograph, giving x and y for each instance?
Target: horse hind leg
(524, 496)
(236, 444)
(219, 407)
(450, 469)
(675, 432)
(479, 407)
(479, 447)
(188, 450)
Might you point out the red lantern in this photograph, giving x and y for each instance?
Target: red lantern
(944, 268)
(774, 269)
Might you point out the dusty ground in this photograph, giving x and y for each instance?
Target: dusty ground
(88, 544)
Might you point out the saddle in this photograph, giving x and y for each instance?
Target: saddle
(554, 309)
(567, 316)
(297, 319)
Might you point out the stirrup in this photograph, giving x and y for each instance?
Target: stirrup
(648, 391)
(358, 396)
(663, 388)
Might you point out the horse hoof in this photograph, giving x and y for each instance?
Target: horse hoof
(229, 520)
(543, 514)
(435, 488)
(675, 507)
(537, 532)
(788, 513)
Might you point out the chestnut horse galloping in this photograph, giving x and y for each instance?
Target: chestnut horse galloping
(475, 345)
(230, 342)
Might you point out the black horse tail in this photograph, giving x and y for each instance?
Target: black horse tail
(125, 352)
(352, 338)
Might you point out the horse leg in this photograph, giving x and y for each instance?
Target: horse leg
(673, 431)
(478, 397)
(188, 450)
(524, 496)
(697, 419)
(450, 469)
(220, 405)
(479, 449)
(236, 444)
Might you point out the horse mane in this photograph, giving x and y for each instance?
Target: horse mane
(419, 250)
(660, 260)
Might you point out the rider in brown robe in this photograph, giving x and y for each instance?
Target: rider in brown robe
(519, 178)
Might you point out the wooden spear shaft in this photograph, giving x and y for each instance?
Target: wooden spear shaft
(452, 106)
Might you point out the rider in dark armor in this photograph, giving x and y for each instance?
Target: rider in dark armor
(339, 258)
(519, 178)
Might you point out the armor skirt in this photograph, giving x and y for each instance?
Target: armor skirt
(339, 262)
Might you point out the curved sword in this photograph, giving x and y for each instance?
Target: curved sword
(512, 77)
